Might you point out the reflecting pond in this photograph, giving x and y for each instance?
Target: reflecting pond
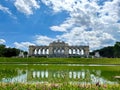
(59, 73)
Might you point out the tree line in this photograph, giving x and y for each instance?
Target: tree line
(9, 52)
(110, 51)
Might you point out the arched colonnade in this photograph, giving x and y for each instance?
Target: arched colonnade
(60, 49)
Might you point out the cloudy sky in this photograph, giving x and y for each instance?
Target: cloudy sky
(78, 22)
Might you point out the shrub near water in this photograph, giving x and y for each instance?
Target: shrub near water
(63, 86)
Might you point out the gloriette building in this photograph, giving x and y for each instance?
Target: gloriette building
(59, 49)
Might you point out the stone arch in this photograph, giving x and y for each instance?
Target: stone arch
(62, 50)
(35, 51)
(54, 50)
(47, 51)
(78, 51)
(82, 52)
(43, 51)
(38, 51)
(58, 51)
(74, 50)
(70, 51)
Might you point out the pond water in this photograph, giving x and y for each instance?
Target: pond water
(59, 73)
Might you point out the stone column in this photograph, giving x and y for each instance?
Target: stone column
(71, 51)
(79, 51)
(66, 52)
(37, 50)
(50, 50)
(76, 51)
(86, 51)
(31, 50)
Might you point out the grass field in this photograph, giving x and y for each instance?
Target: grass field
(65, 86)
(61, 60)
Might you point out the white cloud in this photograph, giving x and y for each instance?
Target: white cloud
(43, 40)
(38, 40)
(5, 9)
(81, 12)
(23, 45)
(58, 5)
(78, 36)
(95, 39)
(88, 21)
(57, 28)
(26, 6)
(2, 41)
(66, 25)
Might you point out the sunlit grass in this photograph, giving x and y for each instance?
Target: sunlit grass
(55, 86)
(61, 60)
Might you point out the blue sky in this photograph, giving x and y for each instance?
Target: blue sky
(78, 22)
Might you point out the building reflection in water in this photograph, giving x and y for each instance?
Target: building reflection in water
(40, 74)
(80, 76)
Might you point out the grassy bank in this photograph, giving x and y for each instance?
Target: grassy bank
(61, 60)
(65, 86)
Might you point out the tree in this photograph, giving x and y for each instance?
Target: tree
(106, 51)
(2, 49)
(8, 52)
(117, 49)
(110, 51)
(25, 53)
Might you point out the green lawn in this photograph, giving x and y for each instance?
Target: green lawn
(53, 86)
(61, 60)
